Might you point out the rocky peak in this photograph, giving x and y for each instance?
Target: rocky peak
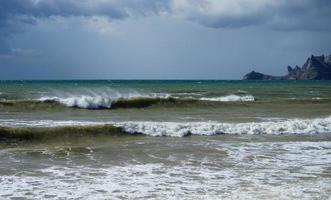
(315, 68)
(289, 69)
(314, 62)
(319, 58)
(293, 71)
(327, 60)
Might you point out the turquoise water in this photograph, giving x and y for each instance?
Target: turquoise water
(165, 139)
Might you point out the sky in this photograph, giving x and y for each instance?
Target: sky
(159, 39)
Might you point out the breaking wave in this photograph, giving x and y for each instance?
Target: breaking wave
(106, 102)
(104, 99)
(102, 102)
(16, 128)
(124, 101)
(290, 126)
(81, 101)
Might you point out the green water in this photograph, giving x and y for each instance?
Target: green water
(282, 99)
(216, 139)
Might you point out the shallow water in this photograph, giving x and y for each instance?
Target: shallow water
(165, 140)
(221, 167)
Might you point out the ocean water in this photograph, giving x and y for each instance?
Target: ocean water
(165, 139)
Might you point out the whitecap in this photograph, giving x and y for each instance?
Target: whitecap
(82, 101)
(181, 129)
(98, 100)
(230, 98)
(178, 129)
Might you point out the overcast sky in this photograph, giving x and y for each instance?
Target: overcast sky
(159, 39)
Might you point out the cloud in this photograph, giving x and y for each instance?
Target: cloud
(222, 13)
(19, 52)
(280, 14)
(15, 14)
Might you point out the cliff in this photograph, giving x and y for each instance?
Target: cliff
(315, 68)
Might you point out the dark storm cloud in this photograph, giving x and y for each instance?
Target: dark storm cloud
(281, 14)
(16, 13)
(158, 39)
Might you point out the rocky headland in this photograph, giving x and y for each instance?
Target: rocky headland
(315, 68)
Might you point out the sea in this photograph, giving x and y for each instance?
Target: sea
(165, 139)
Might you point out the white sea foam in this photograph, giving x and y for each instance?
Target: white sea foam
(230, 98)
(180, 129)
(224, 170)
(290, 126)
(82, 101)
(45, 123)
(117, 183)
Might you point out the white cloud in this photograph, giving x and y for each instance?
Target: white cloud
(220, 7)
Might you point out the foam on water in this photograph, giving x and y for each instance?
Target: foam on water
(290, 126)
(272, 170)
(17, 123)
(230, 98)
(180, 129)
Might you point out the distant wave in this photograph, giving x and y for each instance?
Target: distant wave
(124, 101)
(97, 102)
(35, 129)
(105, 102)
(308, 100)
(145, 100)
(230, 98)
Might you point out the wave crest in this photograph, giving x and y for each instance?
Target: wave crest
(291, 126)
(136, 101)
(82, 101)
(104, 101)
(31, 129)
